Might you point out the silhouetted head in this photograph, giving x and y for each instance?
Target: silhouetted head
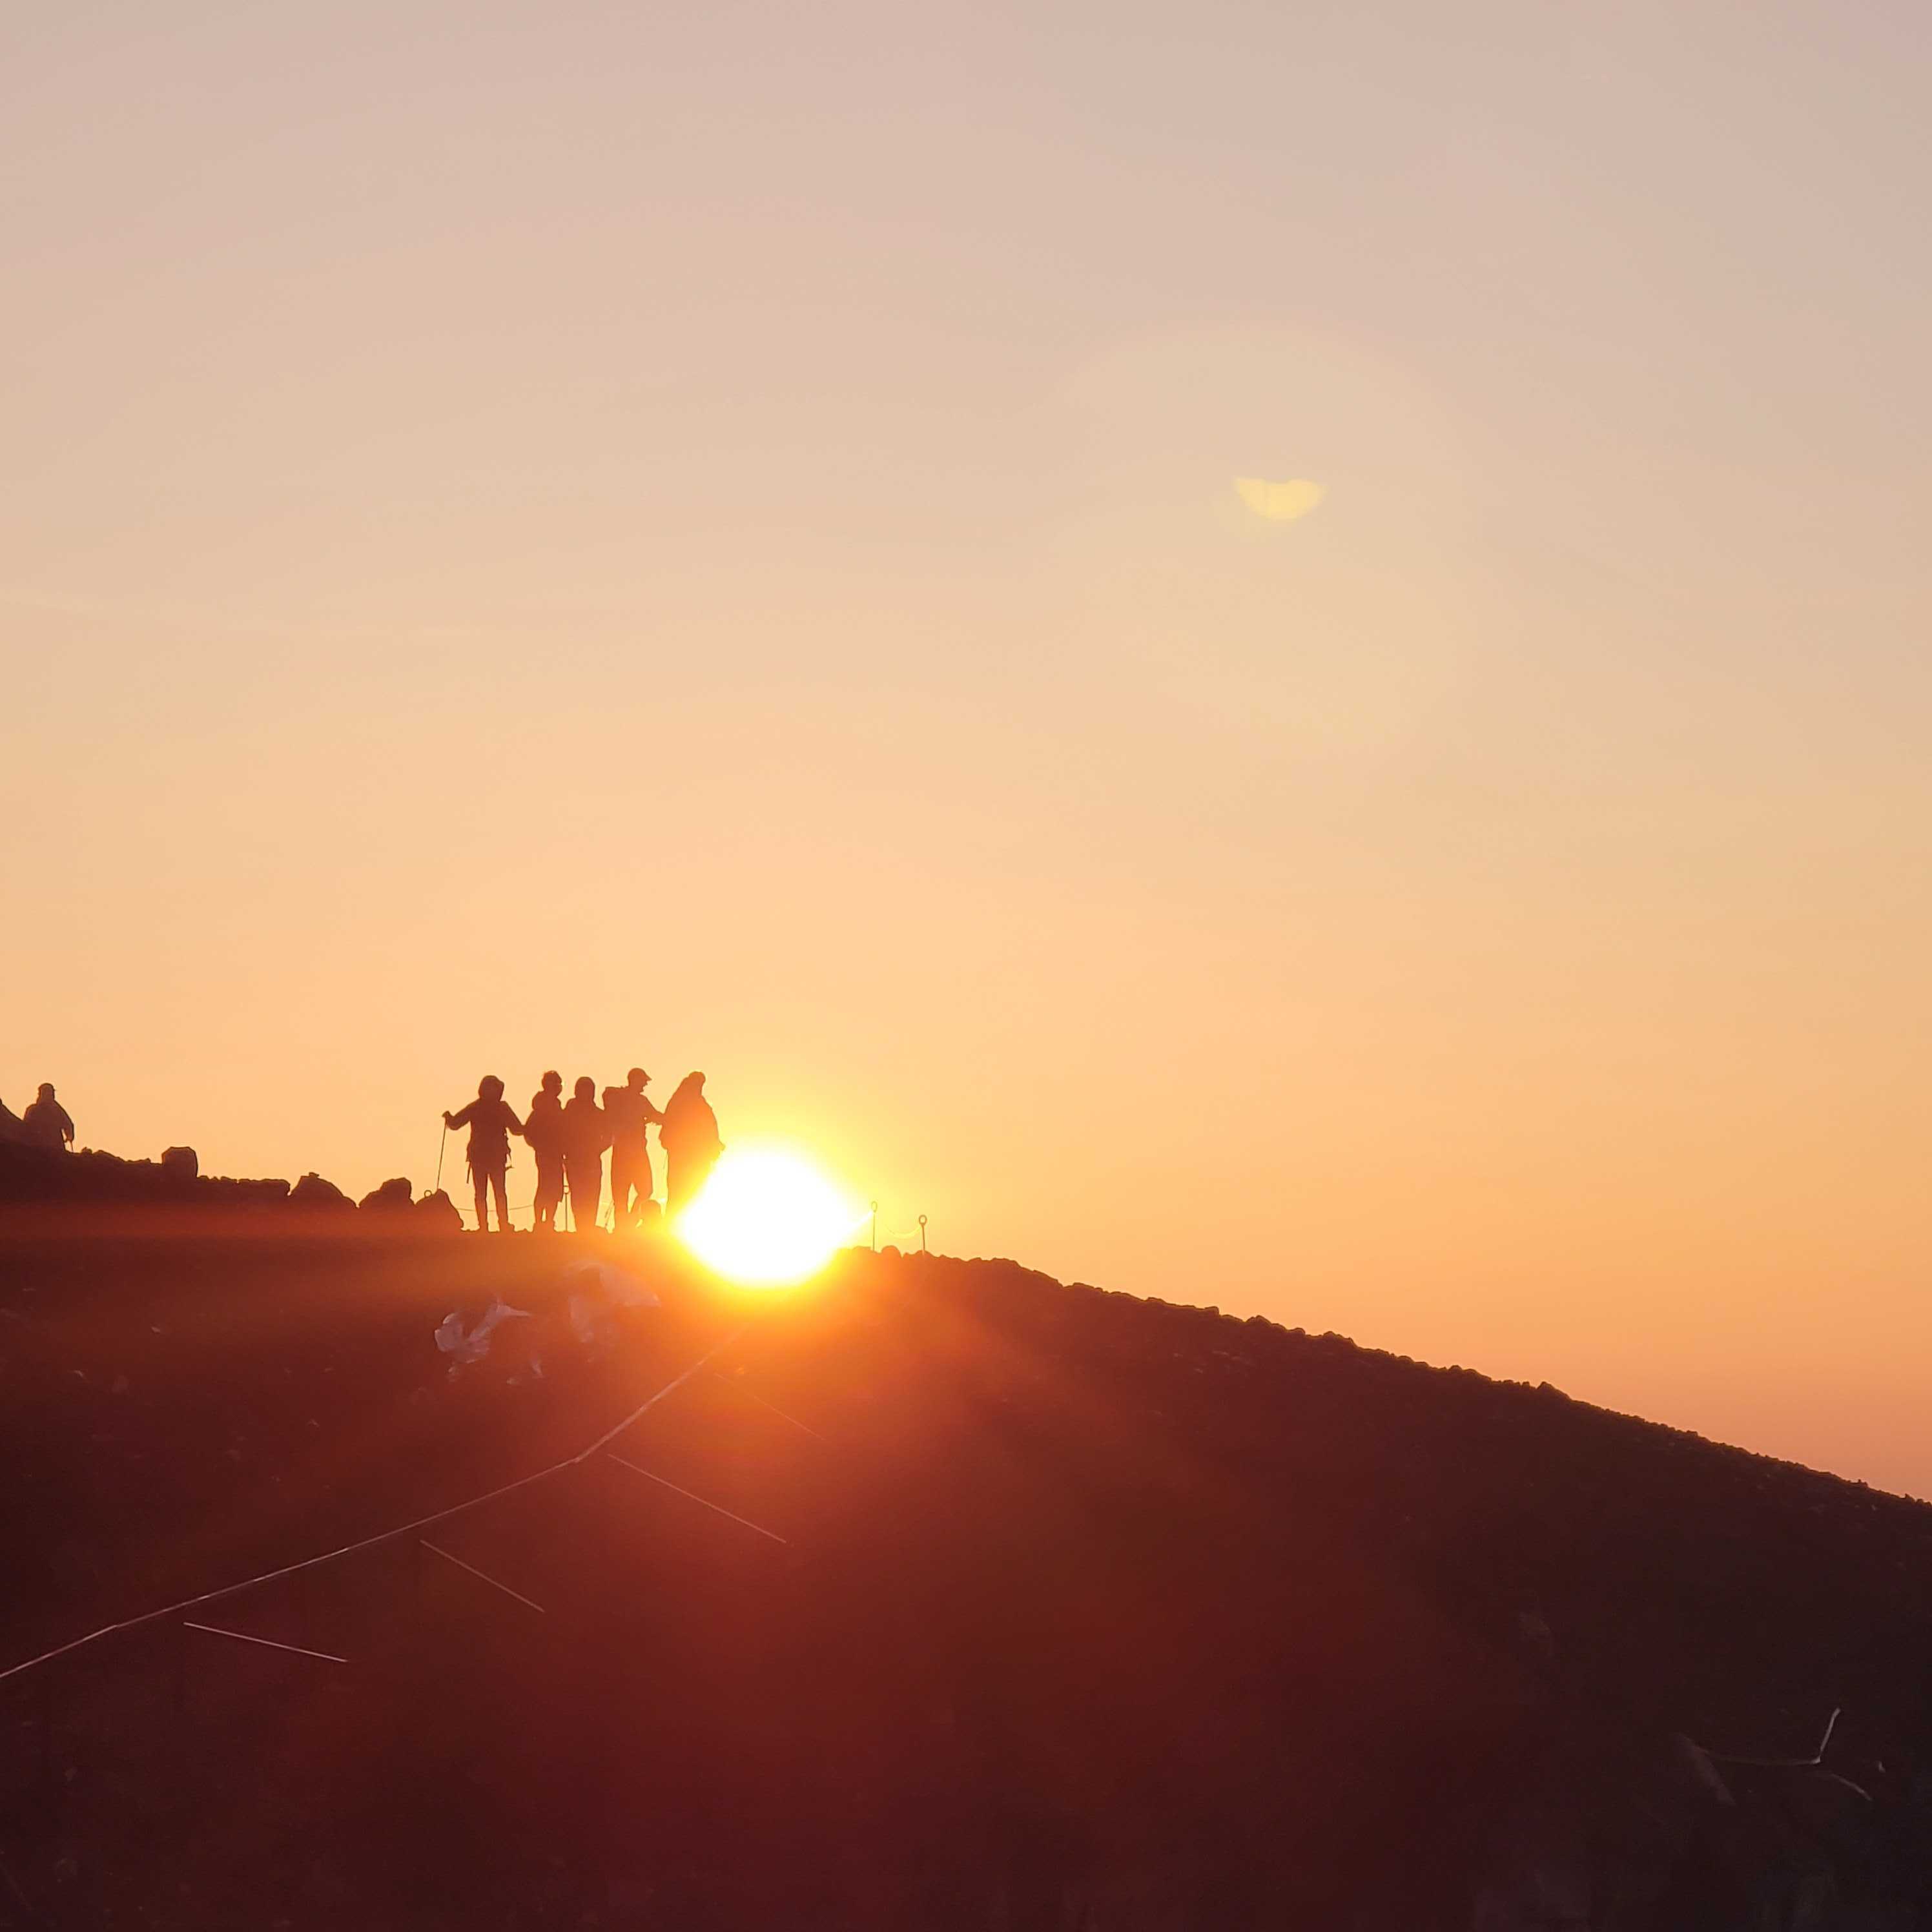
(46, 1090)
(637, 1080)
(552, 1082)
(586, 1088)
(489, 1087)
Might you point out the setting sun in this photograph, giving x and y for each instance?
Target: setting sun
(766, 1217)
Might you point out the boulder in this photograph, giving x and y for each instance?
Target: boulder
(438, 1213)
(313, 1193)
(393, 1197)
(181, 1163)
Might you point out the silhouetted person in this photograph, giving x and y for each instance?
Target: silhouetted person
(687, 1130)
(585, 1135)
(491, 1123)
(544, 1131)
(628, 1115)
(47, 1122)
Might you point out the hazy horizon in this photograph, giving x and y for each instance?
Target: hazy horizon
(743, 541)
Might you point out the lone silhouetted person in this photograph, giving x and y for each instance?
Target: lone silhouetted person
(544, 1130)
(491, 1122)
(689, 1131)
(585, 1135)
(628, 1115)
(47, 1122)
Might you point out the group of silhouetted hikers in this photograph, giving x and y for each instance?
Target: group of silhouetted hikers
(45, 1124)
(569, 1137)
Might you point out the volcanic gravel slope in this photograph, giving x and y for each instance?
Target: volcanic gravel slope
(1088, 1612)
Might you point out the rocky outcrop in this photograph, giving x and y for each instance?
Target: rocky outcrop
(35, 1178)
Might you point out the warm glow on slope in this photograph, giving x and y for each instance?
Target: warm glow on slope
(766, 1216)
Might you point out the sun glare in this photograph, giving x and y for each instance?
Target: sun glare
(766, 1217)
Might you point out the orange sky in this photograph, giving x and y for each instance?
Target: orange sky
(550, 536)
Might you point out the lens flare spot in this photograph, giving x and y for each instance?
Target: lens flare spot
(1279, 502)
(766, 1217)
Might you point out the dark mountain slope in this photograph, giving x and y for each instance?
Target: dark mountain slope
(1092, 1611)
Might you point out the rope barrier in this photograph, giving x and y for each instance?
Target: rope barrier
(755, 1395)
(266, 1642)
(369, 1542)
(611, 1434)
(1782, 1763)
(641, 1470)
(437, 1550)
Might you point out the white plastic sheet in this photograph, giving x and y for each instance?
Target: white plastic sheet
(617, 1286)
(598, 1289)
(473, 1344)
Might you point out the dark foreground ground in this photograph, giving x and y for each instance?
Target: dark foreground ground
(1089, 1613)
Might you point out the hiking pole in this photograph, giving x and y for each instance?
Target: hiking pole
(439, 1146)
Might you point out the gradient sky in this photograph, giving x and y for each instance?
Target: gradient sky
(570, 535)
